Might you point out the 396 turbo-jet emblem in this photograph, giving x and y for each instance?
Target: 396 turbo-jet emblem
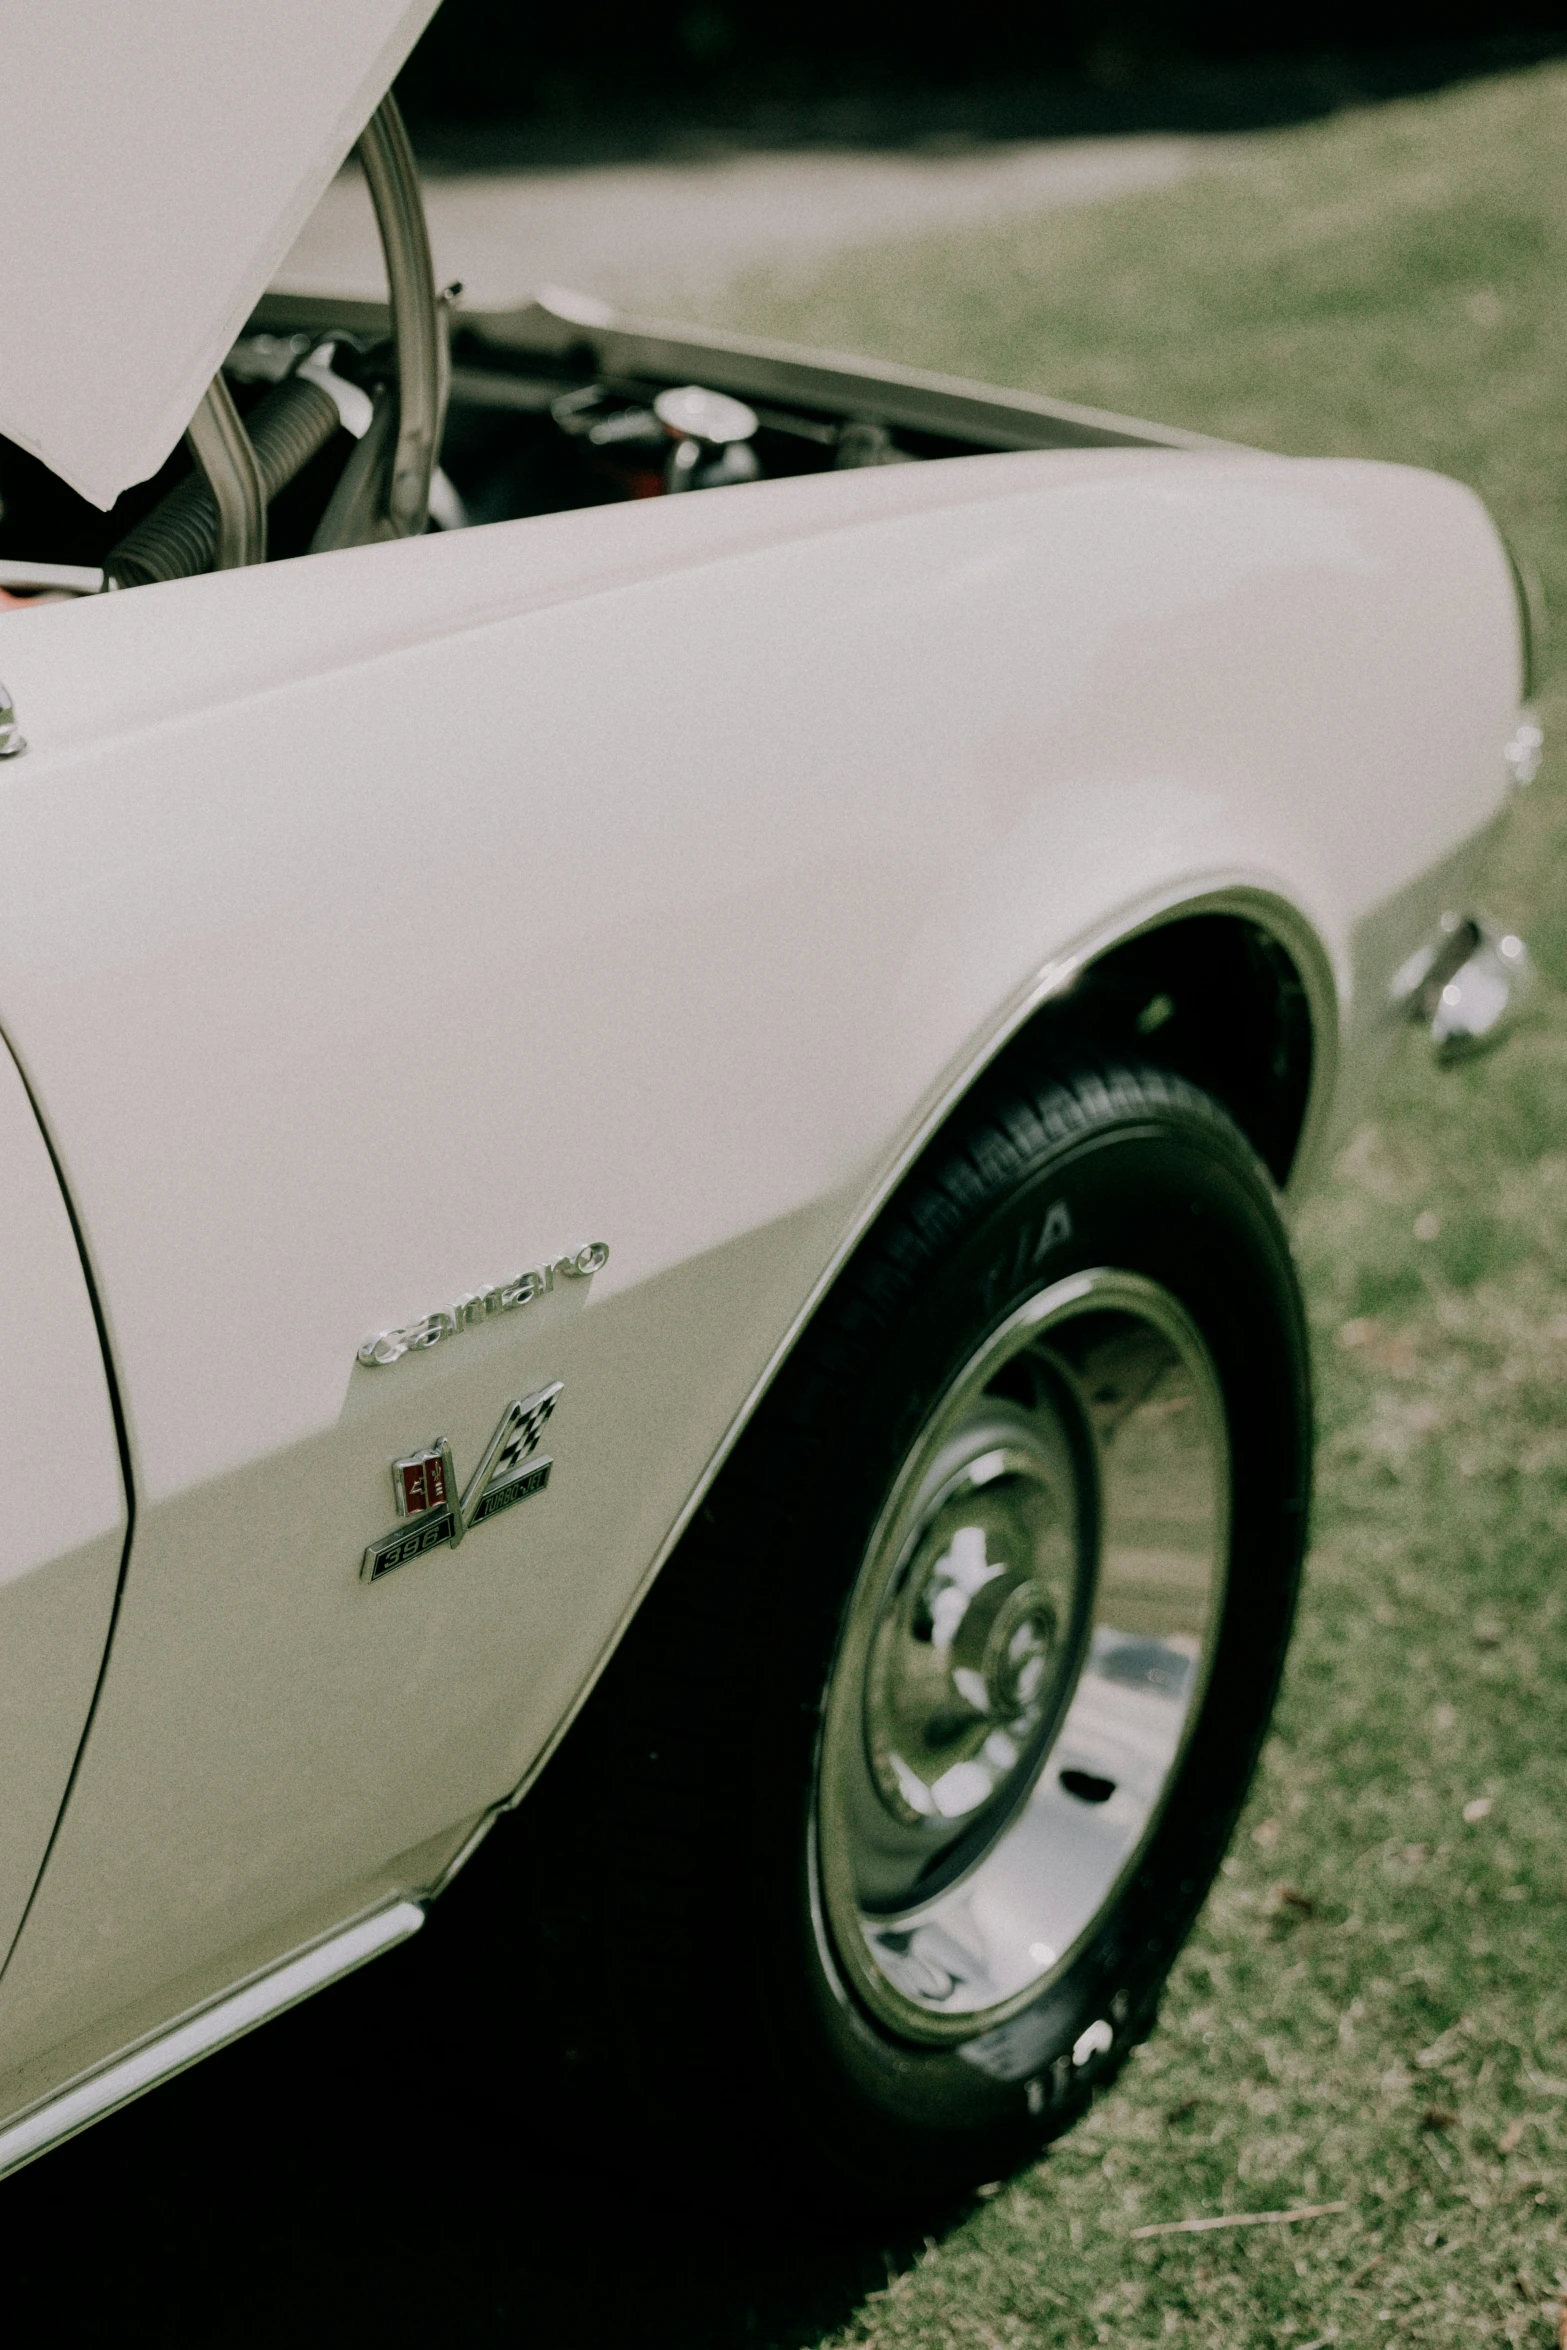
(425, 1486)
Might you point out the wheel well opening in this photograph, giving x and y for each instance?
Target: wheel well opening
(1217, 1000)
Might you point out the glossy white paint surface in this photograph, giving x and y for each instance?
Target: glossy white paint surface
(158, 162)
(373, 927)
(62, 1527)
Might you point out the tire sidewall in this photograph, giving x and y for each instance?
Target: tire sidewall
(1174, 1195)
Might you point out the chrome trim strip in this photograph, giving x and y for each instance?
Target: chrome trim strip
(126, 2077)
(915, 397)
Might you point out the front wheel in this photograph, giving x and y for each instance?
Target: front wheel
(885, 1826)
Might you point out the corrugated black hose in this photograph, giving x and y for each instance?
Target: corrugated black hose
(179, 538)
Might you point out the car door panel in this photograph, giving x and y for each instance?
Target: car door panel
(250, 1773)
(62, 1528)
(659, 915)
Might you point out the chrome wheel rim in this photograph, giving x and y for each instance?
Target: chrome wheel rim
(1023, 1656)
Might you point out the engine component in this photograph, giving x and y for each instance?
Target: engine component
(180, 536)
(712, 435)
(607, 421)
(352, 402)
(696, 414)
(864, 442)
(209, 520)
(222, 449)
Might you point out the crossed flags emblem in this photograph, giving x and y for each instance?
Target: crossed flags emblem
(425, 1485)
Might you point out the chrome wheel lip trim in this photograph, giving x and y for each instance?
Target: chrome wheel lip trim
(855, 1976)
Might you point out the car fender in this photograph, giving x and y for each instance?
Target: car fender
(378, 925)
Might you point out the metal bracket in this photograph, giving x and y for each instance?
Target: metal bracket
(222, 448)
(418, 325)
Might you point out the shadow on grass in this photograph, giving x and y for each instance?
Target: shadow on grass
(638, 110)
(369, 2165)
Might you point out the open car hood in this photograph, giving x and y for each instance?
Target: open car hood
(157, 163)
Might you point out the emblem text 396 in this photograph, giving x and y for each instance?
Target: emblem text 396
(424, 1486)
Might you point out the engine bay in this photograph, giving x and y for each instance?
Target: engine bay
(337, 423)
(555, 406)
(516, 443)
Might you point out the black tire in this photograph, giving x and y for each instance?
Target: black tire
(685, 1954)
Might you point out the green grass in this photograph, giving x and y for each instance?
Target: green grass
(1374, 2007)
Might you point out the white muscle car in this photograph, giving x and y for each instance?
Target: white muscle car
(659, 1112)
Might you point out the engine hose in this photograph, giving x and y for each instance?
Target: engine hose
(179, 538)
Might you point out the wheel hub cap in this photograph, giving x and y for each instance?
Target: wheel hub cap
(1023, 1655)
(963, 1664)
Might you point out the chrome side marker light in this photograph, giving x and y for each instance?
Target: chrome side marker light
(1524, 751)
(1465, 986)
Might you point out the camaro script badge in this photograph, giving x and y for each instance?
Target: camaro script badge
(425, 1484)
(503, 1297)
